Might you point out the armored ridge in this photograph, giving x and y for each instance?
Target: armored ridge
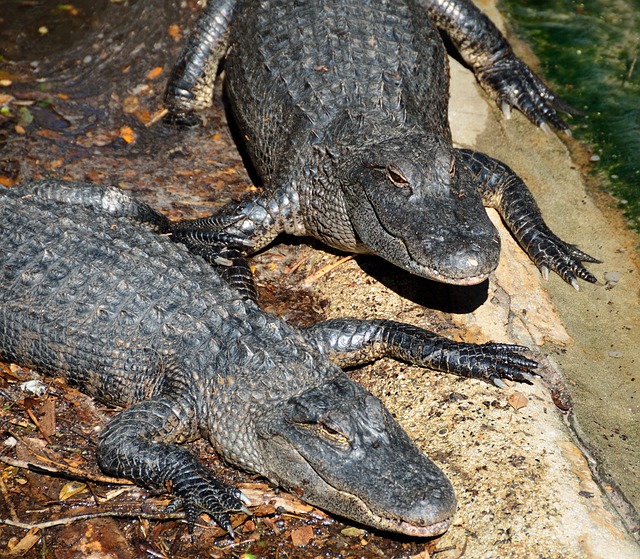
(136, 320)
(343, 109)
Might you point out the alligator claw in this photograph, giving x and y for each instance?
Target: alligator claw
(512, 83)
(499, 382)
(544, 270)
(549, 252)
(205, 494)
(546, 128)
(492, 362)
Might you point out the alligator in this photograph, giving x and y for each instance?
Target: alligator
(92, 290)
(342, 108)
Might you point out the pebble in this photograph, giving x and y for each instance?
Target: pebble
(612, 279)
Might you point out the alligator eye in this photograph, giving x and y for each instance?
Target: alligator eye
(327, 431)
(452, 167)
(333, 434)
(396, 177)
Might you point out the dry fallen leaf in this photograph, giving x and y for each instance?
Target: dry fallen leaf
(127, 134)
(26, 543)
(517, 400)
(302, 536)
(352, 532)
(70, 489)
(153, 74)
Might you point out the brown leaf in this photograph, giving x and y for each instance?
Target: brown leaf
(302, 536)
(48, 418)
(26, 543)
(127, 134)
(70, 489)
(517, 400)
(153, 74)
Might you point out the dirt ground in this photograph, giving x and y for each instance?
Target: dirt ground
(86, 109)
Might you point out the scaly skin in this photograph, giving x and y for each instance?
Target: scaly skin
(136, 320)
(342, 106)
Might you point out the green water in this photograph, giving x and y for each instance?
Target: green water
(589, 52)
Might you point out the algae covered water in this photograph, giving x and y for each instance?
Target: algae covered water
(589, 53)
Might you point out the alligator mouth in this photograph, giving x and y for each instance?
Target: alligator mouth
(422, 270)
(402, 526)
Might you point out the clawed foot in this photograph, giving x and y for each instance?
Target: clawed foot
(549, 252)
(206, 494)
(512, 83)
(493, 362)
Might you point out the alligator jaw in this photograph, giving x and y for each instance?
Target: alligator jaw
(421, 270)
(404, 527)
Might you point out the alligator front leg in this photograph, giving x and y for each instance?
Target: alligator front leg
(190, 86)
(349, 341)
(136, 445)
(500, 72)
(242, 228)
(505, 191)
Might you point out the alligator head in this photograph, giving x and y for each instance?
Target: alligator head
(337, 447)
(412, 205)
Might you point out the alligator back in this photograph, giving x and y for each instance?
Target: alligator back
(101, 300)
(296, 70)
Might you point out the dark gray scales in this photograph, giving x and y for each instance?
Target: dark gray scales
(135, 319)
(342, 107)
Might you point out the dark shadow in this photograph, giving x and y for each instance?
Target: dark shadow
(236, 134)
(456, 299)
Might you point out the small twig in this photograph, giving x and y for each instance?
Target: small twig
(37, 424)
(114, 514)
(326, 269)
(156, 117)
(633, 66)
(443, 549)
(63, 471)
(299, 263)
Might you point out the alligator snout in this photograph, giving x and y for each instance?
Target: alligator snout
(465, 256)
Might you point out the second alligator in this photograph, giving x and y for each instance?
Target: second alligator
(342, 106)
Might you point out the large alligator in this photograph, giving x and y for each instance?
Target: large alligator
(90, 290)
(342, 106)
